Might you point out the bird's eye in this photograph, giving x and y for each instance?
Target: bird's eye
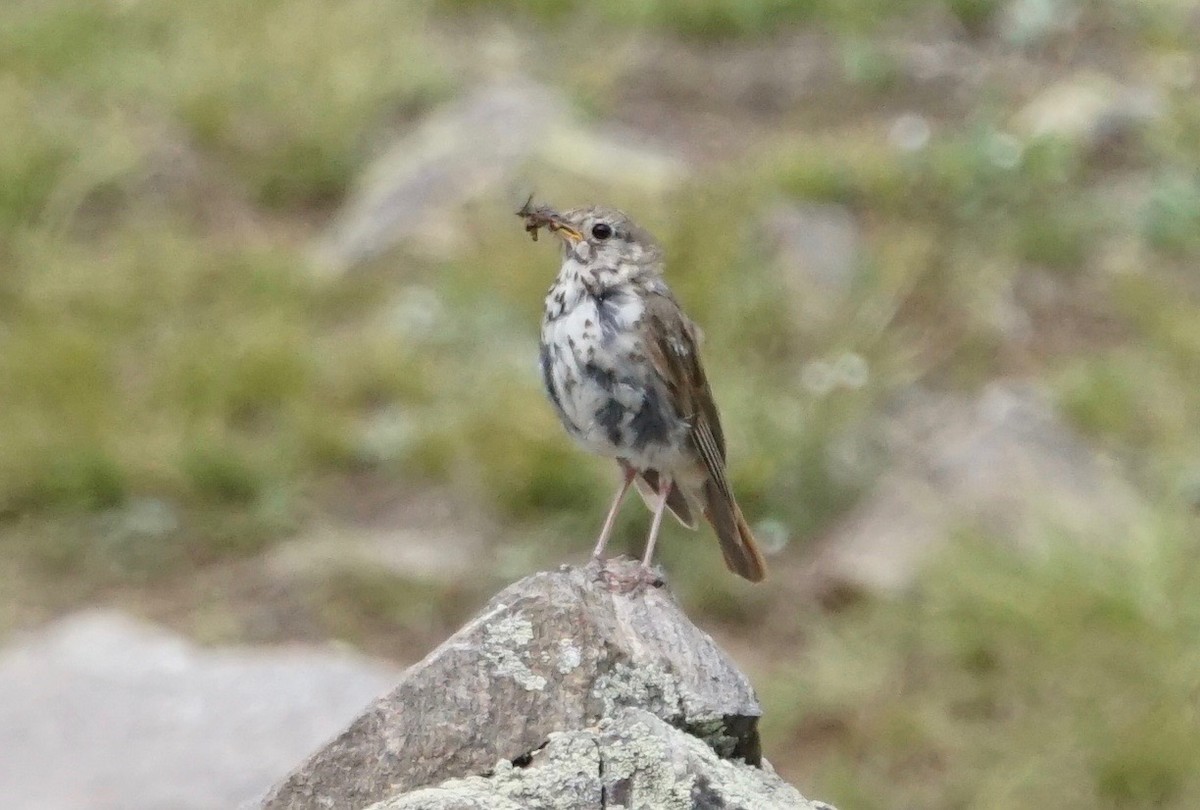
(602, 230)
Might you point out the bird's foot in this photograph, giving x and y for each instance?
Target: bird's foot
(623, 576)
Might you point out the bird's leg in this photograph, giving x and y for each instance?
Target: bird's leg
(666, 484)
(606, 532)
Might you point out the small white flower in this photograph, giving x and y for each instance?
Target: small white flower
(910, 132)
(851, 370)
(817, 376)
(1004, 150)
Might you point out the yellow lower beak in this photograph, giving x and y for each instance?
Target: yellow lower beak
(567, 232)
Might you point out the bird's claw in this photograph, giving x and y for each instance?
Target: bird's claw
(626, 580)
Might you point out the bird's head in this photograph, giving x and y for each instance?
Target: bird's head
(595, 235)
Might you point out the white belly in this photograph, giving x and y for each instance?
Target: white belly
(607, 396)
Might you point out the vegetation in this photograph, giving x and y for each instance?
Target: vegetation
(183, 395)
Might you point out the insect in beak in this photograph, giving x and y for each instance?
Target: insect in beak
(544, 217)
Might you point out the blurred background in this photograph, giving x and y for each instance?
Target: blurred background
(271, 425)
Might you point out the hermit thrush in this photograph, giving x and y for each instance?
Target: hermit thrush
(621, 364)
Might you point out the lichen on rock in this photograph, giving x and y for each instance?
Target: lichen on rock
(560, 693)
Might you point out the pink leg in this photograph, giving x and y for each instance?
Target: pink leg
(648, 557)
(611, 520)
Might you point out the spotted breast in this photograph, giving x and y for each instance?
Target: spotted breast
(595, 371)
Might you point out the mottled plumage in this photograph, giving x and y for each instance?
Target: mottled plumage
(621, 365)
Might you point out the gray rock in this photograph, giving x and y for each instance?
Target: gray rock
(1030, 23)
(471, 149)
(817, 248)
(1002, 464)
(426, 535)
(631, 760)
(1091, 110)
(445, 554)
(552, 655)
(100, 711)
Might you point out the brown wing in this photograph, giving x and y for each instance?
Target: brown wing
(672, 347)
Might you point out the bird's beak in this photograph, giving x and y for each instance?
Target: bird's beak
(568, 232)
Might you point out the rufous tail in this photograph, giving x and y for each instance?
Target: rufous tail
(737, 542)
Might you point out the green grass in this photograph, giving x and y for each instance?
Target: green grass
(250, 83)
(177, 388)
(723, 18)
(162, 334)
(731, 19)
(1171, 220)
(1064, 680)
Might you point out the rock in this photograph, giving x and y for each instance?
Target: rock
(101, 711)
(472, 149)
(817, 248)
(427, 535)
(446, 555)
(633, 759)
(1032, 23)
(550, 663)
(1092, 111)
(1002, 464)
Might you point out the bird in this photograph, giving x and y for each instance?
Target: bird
(621, 366)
